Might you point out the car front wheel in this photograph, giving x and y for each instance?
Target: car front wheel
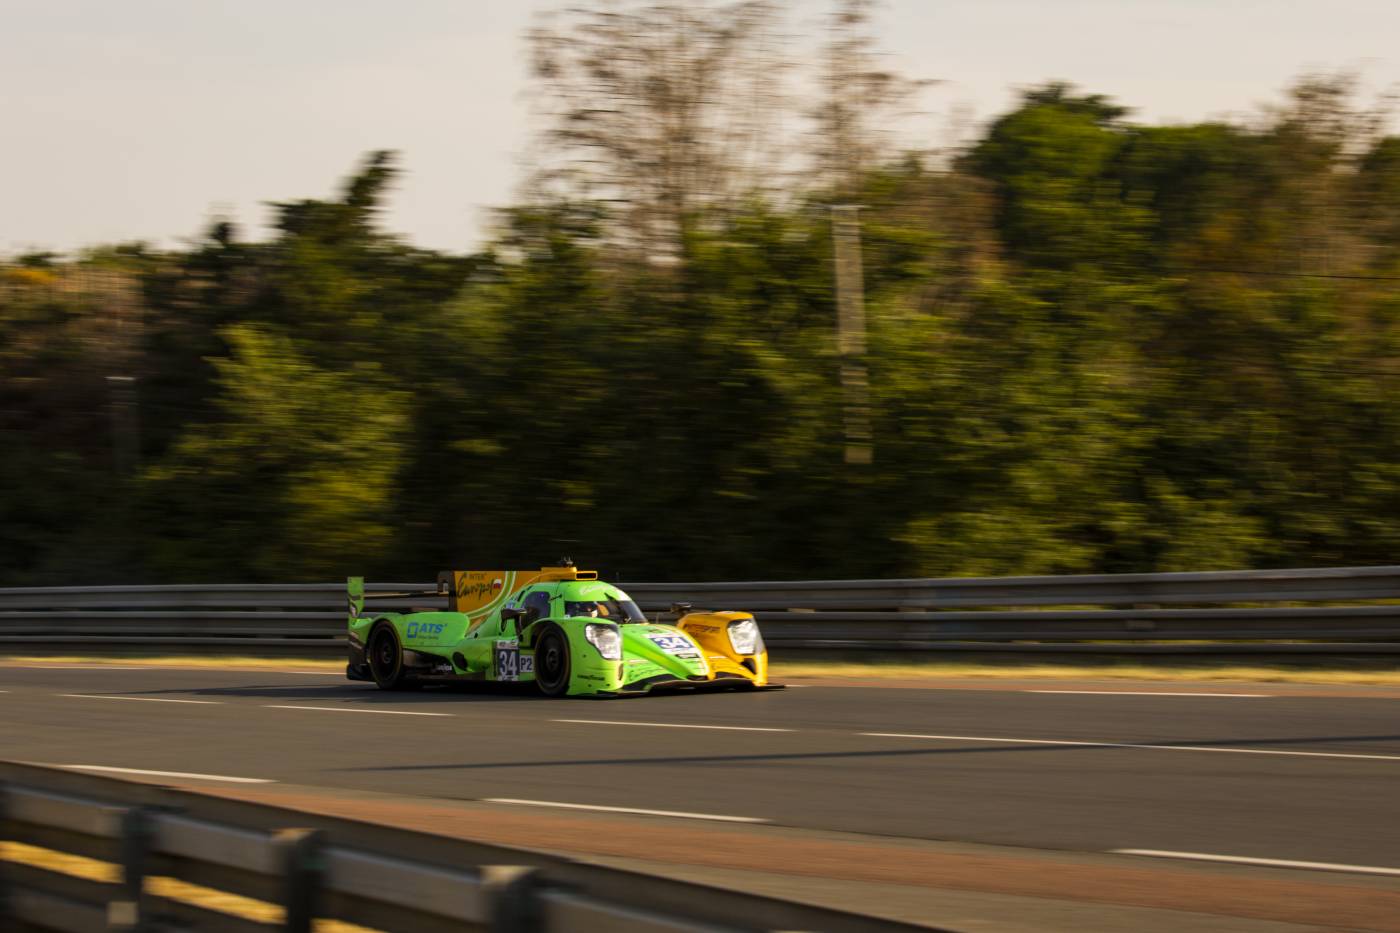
(552, 663)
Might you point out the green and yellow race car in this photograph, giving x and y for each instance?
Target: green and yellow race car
(561, 628)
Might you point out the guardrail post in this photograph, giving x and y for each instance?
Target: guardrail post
(511, 893)
(127, 914)
(302, 867)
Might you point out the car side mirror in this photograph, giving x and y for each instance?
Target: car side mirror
(680, 609)
(512, 614)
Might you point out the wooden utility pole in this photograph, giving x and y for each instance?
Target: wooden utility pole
(126, 425)
(119, 312)
(850, 334)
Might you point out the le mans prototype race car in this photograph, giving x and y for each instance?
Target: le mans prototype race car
(561, 628)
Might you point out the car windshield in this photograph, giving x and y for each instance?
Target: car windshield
(614, 610)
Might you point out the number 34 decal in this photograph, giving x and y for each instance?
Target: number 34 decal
(507, 660)
(510, 663)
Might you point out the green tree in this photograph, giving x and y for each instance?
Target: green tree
(296, 474)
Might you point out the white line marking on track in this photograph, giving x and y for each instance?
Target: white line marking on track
(356, 709)
(173, 774)
(670, 725)
(1266, 862)
(1167, 748)
(588, 806)
(1148, 693)
(99, 696)
(76, 667)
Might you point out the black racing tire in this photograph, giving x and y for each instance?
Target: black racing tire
(552, 665)
(385, 656)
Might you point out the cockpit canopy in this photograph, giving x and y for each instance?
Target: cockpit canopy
(579, 600)
(613, 610)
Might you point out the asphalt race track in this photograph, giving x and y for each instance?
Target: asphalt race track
(1256, 773)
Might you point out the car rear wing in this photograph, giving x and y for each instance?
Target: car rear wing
(357, 595)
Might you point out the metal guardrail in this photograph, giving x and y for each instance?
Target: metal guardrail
(314, 867)
(1238, 611)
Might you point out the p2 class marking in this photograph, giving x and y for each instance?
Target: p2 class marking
(1262, 862)
(170, 774)
(635, 810)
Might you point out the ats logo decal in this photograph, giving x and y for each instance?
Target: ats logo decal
(423, 629)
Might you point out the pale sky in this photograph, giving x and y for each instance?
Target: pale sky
(140, 119)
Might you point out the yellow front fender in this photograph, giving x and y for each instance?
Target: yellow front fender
(710, 631)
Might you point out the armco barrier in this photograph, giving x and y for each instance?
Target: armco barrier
(1354, 611)
(312, 867)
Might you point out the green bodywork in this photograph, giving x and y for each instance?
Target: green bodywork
(450, 646)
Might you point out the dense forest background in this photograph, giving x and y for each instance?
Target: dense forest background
(1090, 344)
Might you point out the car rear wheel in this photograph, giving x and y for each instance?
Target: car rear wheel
(386, 658)
(552, 662)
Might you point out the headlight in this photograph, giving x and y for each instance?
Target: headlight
(743, 635)
(607, 639)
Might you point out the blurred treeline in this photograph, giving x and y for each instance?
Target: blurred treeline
(1093, 345)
